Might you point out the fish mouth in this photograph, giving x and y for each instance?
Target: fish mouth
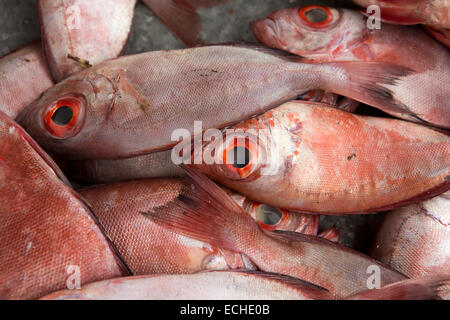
(267, 30)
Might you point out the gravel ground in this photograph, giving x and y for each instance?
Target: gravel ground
(19, 24)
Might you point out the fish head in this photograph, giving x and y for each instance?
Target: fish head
(252, 157)
(271, 218)
(311, 31)
(239, 153)
(66, 117)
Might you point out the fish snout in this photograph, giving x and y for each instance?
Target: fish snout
(266, 31)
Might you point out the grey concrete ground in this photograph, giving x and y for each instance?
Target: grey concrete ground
(229, 22)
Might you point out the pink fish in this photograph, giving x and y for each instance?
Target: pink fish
(234, 285)
(24, 75)
(208, 214)
(148, 248)
(324, 34)
(141, 100)
(307, 157)
(48, 235)
(77, 34)
(416, 239)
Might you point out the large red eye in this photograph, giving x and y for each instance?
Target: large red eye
(316, 16)
(63, 118)
(269, 217)
(241, 156)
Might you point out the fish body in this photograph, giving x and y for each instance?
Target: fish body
(144, 100)
(415, 239)
(77, 34)
(48, 234)
(24, 75)
(218, 285)
(236, 285)
(152, 165)
(345, 36)
(306, 157)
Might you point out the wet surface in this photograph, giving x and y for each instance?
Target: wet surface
(230, 22)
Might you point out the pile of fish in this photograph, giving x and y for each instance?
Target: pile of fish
(281, 142)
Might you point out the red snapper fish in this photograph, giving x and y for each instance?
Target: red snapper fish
(324, 34)
(48, 234)
(24, 75)
(143, 100)
(307, 157)
(77, 34)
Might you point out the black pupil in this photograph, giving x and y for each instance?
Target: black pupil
(316, 15)
(62, 116)
(268, 215)
(239, 157)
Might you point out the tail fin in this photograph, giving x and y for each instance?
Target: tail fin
(412, 289)
(181, 17)
(207, 214)
(368, 82)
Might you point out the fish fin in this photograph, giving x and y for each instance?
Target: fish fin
(291, 281)
(181, 17)
(291, 236)
(367, 82)
(429, 288)
(207, 214)
(309, 224)
(331, 234)
(313, 95)
(348, 105)
(248, 263)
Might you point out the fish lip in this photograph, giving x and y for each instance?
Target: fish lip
(269, 29)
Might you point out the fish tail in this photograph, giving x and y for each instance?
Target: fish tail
(181, 17)
(427, 288)
(367, 82)
(207, 214)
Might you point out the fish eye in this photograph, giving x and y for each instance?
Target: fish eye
(316, 16)
(63, 118)
(239, 157)
(268, 215)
